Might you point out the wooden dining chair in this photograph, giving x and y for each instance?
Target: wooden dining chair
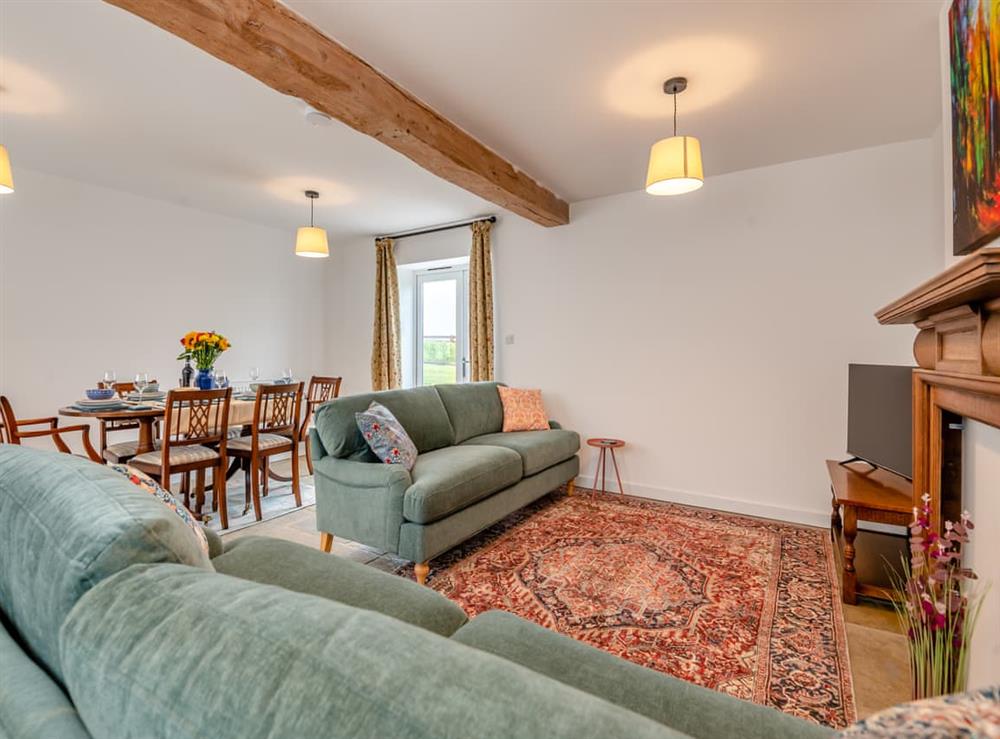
(275, 430)
(195, 425)
(11, 433)
(321, 389)
(123, 451)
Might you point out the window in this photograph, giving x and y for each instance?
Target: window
(441, 325)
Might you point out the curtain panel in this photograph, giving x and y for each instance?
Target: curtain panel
(386, 361)
(481, 303)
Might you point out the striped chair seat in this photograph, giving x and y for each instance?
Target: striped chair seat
(125, 450)
(179, 455)
(265, 441)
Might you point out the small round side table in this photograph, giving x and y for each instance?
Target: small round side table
(602, 461)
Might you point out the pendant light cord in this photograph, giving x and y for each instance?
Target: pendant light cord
(312, 203)
(674, 96)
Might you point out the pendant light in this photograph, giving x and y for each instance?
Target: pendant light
(6, 175)
(309, 240)
(675, 162)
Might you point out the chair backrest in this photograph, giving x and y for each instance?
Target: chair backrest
(322, 389)
(196, 417)
(277, 409)
(8, 424)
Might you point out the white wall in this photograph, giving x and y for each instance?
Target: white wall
(712, 331)
(93, 279)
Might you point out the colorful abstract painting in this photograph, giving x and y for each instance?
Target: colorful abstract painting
(974, 27)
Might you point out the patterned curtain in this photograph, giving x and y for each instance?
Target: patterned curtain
(386, 363)
(481, 303)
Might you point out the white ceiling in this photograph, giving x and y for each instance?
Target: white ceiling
(572, 91)
(567, 91)
(91, 92)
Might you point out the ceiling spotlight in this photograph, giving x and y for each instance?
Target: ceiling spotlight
(317, 117)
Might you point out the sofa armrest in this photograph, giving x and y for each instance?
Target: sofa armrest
(316, 448)
(362, 501)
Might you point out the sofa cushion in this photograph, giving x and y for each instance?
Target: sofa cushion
(144, 482)
(419, 409)
(687, 708)
(171, 651)
(67, 523)
(307, 570)
(474, 408)
(522, 410)
(31, 703)
(449, 479)
(386, 436)
(538, 449)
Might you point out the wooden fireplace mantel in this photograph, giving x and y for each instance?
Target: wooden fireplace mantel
(957, 351)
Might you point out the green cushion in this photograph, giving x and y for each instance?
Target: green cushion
(688, 708)
(67, 523)
(172, 651)
(307, 570)
(420, 542)
(449, 479)
(538, 449)
(474, 408)
(31, 703)
(419, 410)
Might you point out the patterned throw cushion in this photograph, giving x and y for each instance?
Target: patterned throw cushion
(972, 714)
(523, 410)
(151, 486)
(386, 436)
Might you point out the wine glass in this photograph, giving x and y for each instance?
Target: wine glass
(287, 374)
(254, 374)
(111, 380)
(141, 383)
(222, 379)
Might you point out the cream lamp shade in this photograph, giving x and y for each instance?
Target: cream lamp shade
(674, 166)
(6, 175)
(311, 242)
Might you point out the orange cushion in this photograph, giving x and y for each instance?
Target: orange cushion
(523, 410)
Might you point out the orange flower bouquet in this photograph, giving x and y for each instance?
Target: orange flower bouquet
(203, 348)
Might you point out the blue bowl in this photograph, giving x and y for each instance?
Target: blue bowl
(101, 393)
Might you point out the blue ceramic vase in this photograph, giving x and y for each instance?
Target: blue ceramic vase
(205, 379)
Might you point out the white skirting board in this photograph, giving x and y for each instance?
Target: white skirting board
(735, 505)
(719, 503)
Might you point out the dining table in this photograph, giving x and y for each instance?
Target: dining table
(147, 413)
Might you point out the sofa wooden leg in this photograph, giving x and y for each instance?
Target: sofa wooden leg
(570, 487)
(420, 569)
(325, 541)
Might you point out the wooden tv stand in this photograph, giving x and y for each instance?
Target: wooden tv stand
(874, 495)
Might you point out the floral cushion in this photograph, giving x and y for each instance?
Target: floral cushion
(972, 714)
(151, 486)
(386, 436)
(522, 410)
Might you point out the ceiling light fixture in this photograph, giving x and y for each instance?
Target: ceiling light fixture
(675, 162)
(309, 240)
(6, 175)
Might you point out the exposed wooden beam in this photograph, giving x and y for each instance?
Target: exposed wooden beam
(270, 42)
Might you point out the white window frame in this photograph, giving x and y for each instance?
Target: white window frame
(440, 274)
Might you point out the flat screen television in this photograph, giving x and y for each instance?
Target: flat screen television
(880, 416)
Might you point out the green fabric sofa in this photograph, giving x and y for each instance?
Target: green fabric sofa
(116, 624)
(468, 474)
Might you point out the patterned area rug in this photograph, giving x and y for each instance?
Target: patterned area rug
(746, 606)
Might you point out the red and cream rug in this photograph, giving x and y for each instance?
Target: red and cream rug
(747, 606)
